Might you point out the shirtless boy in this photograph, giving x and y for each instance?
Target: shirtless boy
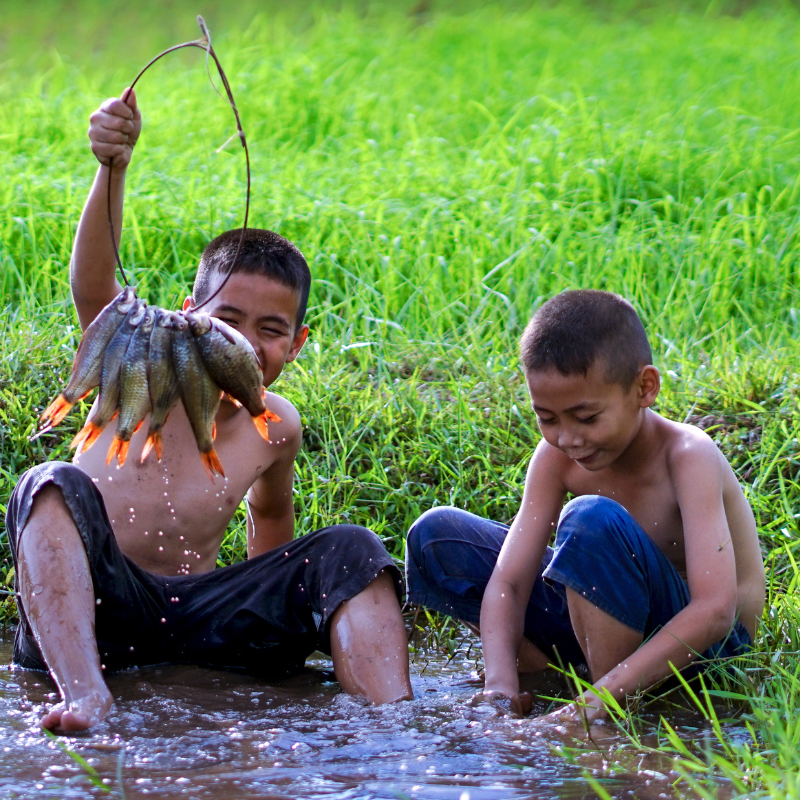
(656, 560)
(116, 566)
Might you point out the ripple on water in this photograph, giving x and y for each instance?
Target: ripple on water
(184, 731)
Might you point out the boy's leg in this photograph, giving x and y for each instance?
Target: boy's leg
(336, 590)
(369, 646)
(605, 641)
(620, 587)
(82, 604)
(450, 555)
(56, 591)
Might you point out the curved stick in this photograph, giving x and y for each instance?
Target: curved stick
(204, 44)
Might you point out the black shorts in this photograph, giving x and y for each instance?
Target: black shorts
(264, 615)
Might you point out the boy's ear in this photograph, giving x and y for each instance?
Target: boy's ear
(649, 381)
(188, 303)
(297, 343)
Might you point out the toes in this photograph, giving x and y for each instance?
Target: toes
(52, 719)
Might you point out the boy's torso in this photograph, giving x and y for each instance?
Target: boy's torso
(169, 517)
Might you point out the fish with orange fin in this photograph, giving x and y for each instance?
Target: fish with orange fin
(233, 366)
(200, 396)
(134, 392)
(107, 404)
(162, 380)
(88, 364)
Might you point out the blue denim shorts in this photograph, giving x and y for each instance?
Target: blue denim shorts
(600, 552)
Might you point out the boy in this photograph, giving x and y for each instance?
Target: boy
(116, 566)
(656, 559)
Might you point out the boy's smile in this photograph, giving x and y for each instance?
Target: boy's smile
(587, 418)
(264, 311)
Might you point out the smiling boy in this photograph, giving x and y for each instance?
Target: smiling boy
(115, 567)
(656, 560)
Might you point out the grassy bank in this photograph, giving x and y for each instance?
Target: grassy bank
(445, 171)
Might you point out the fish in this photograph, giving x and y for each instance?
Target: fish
(162, 380)
(88, 363)
(200, 396)
(233, 366)
(134, 392)
(107, 403)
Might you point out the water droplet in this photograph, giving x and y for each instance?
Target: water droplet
(98, 601)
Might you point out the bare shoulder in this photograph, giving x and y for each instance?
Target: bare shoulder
(288, 433)
(689, 448)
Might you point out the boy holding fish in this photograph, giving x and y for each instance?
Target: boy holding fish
(656, 560)
(115, 563)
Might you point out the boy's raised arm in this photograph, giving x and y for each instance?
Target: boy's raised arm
(113, 131)
(506, 596)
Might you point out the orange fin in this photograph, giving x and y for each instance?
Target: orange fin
(261, 426)
(213, 431)
(271, 416)
(138, 426)
(153, 443)
(86, 437)
(232, 399)
(119, 448)
(212, 464)
(56, 411)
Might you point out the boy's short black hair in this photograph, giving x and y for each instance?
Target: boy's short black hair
(263, 253)
(574, 329)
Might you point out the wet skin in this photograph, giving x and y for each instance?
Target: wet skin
(168, 517)
(601, 438)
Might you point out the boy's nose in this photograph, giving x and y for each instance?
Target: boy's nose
(569, 439)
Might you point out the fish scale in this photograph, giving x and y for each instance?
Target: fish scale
(144, 358)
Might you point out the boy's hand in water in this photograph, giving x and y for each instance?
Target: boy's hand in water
(587, 709)
(518, 705)
(114, 129)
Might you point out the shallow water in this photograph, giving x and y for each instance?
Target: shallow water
(188, 732)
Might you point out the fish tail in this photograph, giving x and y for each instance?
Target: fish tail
(261, 426)
(270, 415)
(119, 448)
(86, 437)
(153, 442)
(212, 464)
(56, 411)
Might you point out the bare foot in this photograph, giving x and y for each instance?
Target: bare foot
(79, 715)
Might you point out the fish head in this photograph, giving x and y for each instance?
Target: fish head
(149, 319)
(125, 300)
(137, 313)
(177, 321)
(199, 322)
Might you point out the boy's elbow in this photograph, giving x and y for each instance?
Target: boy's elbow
(721, 616)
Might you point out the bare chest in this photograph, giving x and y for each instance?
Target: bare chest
(169, 516)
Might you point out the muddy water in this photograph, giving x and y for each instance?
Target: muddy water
(187, 732)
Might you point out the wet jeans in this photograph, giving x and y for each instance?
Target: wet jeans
(600, 552)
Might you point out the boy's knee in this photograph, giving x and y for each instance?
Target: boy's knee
(431, 526)
(589, 520)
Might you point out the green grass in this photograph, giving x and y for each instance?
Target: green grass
(445, 168)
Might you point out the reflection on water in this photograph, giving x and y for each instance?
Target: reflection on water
(187, 732)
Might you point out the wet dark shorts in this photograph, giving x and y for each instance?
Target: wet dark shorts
(600, 552)
(264, 615)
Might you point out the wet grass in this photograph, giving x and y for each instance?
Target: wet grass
(445, 171)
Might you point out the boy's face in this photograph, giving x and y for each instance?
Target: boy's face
(589, 419)
(265, 313)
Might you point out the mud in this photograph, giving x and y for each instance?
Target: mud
(187, 732)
